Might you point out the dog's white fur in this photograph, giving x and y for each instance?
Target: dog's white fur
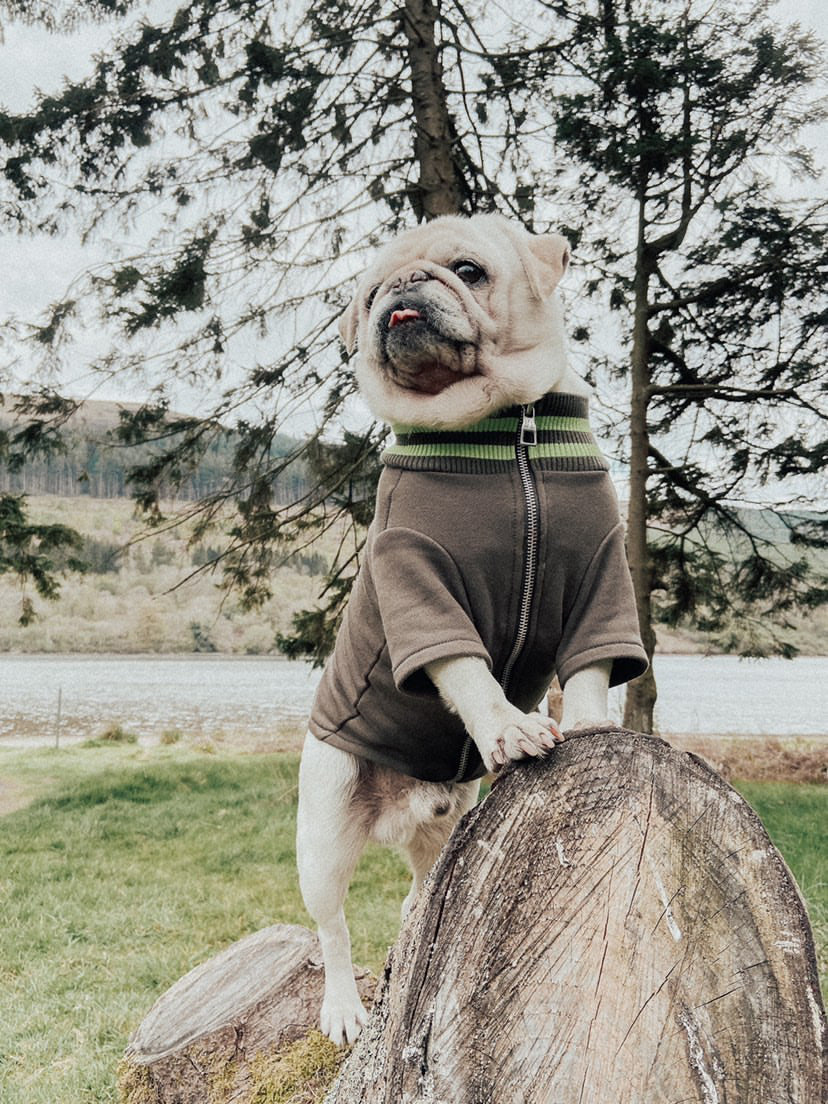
(513, 324)
(507, 347)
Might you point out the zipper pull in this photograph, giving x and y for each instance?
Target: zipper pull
(528, 428)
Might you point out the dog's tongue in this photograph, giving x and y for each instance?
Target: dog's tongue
(407, 314)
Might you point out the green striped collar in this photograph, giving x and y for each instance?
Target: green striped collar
(563, 441)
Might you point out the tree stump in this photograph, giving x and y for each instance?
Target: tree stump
(224, 1032)
(611, 926)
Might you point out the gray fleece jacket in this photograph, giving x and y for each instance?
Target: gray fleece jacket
(502, 541)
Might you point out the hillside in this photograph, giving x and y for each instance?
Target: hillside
(137, 596)
(93, 463)
(132, 598)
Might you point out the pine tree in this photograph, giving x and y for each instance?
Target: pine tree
(30, 552)
(276, 147)
(674, 115)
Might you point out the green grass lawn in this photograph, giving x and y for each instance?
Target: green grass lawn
(131, 866)
(128, 870)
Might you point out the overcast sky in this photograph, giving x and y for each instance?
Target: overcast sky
(37, 272)
(30, 57)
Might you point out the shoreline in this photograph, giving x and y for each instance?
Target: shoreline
(748, 758)
(270, 657)
(262, 702)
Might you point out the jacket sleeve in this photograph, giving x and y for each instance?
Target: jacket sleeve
(423, 604)
(602, 622)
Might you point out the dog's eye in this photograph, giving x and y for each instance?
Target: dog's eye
(469, 272)
(372, 294)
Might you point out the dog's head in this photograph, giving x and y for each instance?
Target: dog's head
(458, 318)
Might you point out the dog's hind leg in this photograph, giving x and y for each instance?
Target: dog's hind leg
(329, 841)
(422, 852)
(430, 837)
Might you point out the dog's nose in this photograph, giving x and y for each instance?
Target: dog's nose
(409, 279)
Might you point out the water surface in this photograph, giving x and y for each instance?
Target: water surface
(259, 698)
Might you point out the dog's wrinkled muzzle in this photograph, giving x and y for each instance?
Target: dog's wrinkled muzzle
(419, 355)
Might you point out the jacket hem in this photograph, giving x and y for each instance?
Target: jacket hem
(629, 662)
(382, 758)
(409, 675)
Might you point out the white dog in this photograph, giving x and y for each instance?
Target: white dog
(495, 560)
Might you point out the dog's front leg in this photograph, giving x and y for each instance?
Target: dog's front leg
(500, 730)
(329, 841)
(585, 697)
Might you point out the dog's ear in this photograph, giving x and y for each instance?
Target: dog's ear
(348, 324)
(548, 262)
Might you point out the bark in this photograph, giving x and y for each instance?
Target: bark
(641, 694)
(219, 1033)
(612, 924)
(441, 185)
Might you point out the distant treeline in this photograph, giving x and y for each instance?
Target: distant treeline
(91, 462)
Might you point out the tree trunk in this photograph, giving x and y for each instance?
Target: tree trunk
(612, 924)
(441, 185)
(641, 693)
(236, 1026)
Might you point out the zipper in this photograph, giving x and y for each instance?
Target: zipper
(527, 436)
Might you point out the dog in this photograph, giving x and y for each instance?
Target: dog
(495, 560)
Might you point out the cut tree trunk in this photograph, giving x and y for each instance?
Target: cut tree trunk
(611, 925)
(221, 1034)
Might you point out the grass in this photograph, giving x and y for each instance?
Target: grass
(130, 868)
(132, 865)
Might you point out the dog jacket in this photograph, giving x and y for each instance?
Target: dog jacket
(502, 540)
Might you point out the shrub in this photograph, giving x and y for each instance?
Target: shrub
(116, 734)
(202, 641)
(101, 557)
(204, 554)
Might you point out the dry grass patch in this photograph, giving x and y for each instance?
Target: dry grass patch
(761, 760)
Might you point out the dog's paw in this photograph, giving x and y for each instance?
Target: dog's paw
(342, 1019)
(517, 736)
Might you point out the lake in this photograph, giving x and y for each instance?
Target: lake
(267, 699)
